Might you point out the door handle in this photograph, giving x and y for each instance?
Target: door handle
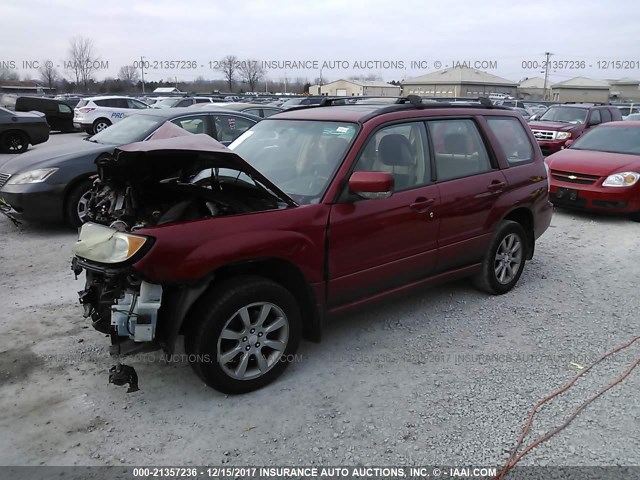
(496, 186)
(422, 204)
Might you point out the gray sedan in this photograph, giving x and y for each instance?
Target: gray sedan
(52, 184)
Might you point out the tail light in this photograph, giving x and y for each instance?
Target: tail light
(86, 110)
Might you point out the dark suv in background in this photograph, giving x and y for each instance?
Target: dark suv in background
(568, 121)
(311, 212)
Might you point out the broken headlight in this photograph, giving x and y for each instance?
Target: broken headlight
(103, 244)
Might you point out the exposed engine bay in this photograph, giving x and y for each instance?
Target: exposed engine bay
(142, 189)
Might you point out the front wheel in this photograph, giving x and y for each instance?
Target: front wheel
(78, 202)
(14, 142)
(245, 333)
(504, 261)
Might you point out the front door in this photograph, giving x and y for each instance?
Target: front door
(376, 245)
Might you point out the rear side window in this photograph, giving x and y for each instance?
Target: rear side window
(203, 100)
(81, 103)
(63, 108)
(102, 103)
(512, 138)
(459, 149)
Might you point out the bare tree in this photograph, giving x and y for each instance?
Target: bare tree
(7, 74)
(48, 73)
(251, 72)
(82, 62)
(229, 66)
(128, 73)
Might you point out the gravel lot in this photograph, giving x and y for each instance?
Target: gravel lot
(442, 376)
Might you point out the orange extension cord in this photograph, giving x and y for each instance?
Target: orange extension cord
(515, 457)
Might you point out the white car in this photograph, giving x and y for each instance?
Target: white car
(97, 113)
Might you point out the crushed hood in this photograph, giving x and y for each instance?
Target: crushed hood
(171, 148)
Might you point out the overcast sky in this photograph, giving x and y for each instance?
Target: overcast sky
(506, 32)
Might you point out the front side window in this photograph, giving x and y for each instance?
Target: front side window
(458, 148)
(595, 117)
(298, 156)
(512, 138)
(399, 150)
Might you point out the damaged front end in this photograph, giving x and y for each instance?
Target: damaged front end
(116, 300)
(141, 188)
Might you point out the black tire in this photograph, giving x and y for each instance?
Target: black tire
(89, 130)
(14, 141)
(489, 280)
(100, 124)
(220, 308)
(635, 216)
(72, 203)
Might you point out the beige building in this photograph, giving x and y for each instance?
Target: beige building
(458, 82)
(624, 90)
(532, 88)
(356, 88)
(581, 89)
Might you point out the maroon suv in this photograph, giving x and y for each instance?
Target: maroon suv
(312, 211)
(569, 121)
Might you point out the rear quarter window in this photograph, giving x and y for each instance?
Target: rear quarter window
(512, 138)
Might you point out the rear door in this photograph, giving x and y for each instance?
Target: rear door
(471, 184)
(376, 245)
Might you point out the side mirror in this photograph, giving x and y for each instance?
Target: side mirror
(568, 143)
(371, 185)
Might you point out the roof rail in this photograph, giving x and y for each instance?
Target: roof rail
(586, 103)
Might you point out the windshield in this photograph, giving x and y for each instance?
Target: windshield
(565, 115)
(166, 103)
(611, 139)
(298, 156)
(128, 130)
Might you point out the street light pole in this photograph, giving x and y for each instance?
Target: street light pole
(546, 73)
(142, 68)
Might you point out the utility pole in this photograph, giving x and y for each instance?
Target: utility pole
(142, 68)
(546, 74)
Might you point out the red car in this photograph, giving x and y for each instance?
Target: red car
(600, 170)
(568, 121)
(311, 212)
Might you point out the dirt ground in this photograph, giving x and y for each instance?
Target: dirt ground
(442, 376)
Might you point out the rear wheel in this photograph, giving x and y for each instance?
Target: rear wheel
(245, 332)
(100, 124)
(635, 216)
(78, 202)
(504, 261)
(14, 142)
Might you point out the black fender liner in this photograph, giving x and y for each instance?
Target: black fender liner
(176, 303)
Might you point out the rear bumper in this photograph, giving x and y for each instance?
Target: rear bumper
(38, 201)
(596, 198)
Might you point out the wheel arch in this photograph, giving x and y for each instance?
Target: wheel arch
(524, 217)
(279, 270)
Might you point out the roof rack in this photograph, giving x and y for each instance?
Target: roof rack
(408, 102)
(586, 103)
